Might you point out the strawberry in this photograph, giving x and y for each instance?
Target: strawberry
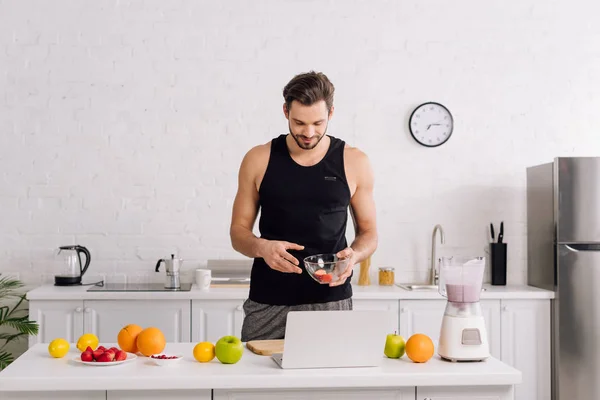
(120, 355)
(87, 356)
(97, 353)
(326, 278)
(104, 357)
(101, 348)
(114, 349)
(319, 273)
(110, 354)
(89, 349)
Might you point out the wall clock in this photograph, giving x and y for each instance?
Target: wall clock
(431, 124)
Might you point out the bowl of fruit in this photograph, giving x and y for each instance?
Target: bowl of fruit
(165, 359)
(325, 268)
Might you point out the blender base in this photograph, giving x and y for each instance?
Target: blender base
(463, 339)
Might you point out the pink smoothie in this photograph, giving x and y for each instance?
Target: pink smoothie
(463, 293)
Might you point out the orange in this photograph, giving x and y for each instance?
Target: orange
(127, 338)
(151, 341)
(419, 348)
(204, 351)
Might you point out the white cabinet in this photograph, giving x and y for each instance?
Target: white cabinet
(105, 318)
(56, 319)
(62, 395)
(466, 393)
(425, 316)
(180, 394)
(375, 305)
(316, 394)
(526, 345)
(213, 319)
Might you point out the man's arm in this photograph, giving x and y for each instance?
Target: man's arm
(362, 209)
(245, 210)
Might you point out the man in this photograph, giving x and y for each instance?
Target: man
(303, 183)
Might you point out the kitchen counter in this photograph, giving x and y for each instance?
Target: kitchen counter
(36, 371)
(51, 292)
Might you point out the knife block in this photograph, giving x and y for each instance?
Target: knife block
(363, 277)
(498, 263)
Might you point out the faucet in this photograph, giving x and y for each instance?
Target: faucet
(434, 275)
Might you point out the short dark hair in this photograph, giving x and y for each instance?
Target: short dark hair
(309, 88)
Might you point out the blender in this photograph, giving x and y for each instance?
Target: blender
(463, 336)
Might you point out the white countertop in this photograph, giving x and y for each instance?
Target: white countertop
(35, 370)
(51, 292)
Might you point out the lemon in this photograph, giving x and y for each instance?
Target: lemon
(204, 352)
(87, 339)
(58, 348)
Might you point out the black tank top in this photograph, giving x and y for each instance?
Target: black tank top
(307, 206)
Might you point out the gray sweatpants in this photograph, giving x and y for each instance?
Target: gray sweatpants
(264, 321)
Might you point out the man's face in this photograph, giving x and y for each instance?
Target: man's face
(308, 124)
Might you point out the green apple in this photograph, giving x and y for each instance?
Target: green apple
(394, 346)
(229, 349)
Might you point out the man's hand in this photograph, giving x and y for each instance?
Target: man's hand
(275, 254)
(347, 253)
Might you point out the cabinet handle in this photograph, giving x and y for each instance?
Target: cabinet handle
(505, 308)
(87, 309)
(403, 310)
(78, 309)
(239, 308)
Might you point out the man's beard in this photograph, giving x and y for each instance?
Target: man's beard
(301, 144)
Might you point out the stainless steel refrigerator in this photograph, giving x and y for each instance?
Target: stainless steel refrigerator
(563, 231)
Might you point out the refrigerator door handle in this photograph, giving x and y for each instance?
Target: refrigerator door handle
(583, 247)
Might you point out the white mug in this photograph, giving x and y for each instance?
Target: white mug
(203, 278)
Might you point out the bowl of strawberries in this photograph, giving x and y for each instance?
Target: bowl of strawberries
(325, 268)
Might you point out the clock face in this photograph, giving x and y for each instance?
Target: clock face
(431, 124)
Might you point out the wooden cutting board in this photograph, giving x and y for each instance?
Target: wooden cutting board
(265, 347)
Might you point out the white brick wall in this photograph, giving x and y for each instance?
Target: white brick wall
(123, 122)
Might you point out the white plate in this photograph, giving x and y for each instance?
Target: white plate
(130, 357)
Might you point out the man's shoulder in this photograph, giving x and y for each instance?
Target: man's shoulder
(354, 155)
(259, 152)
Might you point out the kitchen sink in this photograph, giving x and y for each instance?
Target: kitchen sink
(419, 287)
(423, 287)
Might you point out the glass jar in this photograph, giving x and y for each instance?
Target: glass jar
(386, 276)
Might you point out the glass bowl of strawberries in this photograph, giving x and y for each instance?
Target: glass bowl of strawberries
(325, 268)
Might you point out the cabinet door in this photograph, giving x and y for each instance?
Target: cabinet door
(213, 319)
(407, 393)
(385, 305)
(466, 393)
(62, 395)
(105, 318)
(425, 316)
(56, 319)
(526, 345)
(179, 394)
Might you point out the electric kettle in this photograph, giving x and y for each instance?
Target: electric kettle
(73, 268)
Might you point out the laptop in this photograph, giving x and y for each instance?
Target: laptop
(334, 339)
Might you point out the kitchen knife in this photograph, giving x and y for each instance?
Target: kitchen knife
(501, 233)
